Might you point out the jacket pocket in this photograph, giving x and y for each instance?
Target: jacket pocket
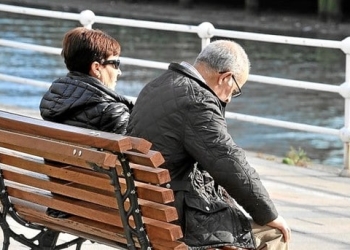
(196, 202)
(207, 225)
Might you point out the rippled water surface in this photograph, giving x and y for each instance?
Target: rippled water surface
(289, 104)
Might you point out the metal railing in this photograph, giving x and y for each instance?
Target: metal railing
(206, 31)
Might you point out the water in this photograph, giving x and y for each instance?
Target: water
(289, 104)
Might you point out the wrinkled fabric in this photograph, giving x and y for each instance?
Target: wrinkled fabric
(185, 121)
(81, 100)
(268, 238)
(210, 220)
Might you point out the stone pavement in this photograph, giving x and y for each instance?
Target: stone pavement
(315, 202)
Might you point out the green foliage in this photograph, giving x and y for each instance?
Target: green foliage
(296, 157)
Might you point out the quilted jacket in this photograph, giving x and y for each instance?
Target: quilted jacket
(185, 121)
(81, 100)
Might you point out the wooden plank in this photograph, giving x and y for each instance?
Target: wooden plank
(150, 175)
(70, 206)
(162, 230)
(152, 158)
(85, 228)
(81, 227)
(57, 151)
(64, 188)
(141, 173)
(93, 192)
(152, 193)
(158, 244)
(158, 211)
(88, 137)
(233, 248)
(54, 169)
(85, 177)
(140, 145)
(92, 230)
(155, 229)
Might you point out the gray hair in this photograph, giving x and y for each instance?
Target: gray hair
(223, 56)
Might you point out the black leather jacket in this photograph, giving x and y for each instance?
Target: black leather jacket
(185, 121)
(81, 100)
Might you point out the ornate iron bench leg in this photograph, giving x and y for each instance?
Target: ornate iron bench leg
(78, 242)
(79, 245)
(6, 242)
(48, 239)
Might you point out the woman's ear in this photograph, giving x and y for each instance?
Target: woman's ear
(95, 70)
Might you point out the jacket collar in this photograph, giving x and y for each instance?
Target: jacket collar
(94, 82)
(190, 74)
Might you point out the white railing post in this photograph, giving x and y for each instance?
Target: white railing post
(87, 18)
(345, 92)
(205, 32)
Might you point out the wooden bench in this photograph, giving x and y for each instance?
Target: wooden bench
(110, 185)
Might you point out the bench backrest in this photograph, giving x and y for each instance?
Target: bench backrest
(105, 181)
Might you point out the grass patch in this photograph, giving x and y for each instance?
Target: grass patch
(296, 157)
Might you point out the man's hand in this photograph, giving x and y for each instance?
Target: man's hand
(281, 224)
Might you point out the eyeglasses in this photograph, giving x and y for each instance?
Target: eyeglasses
(237, 92)
(115, 63)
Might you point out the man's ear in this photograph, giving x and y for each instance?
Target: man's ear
(224, 77)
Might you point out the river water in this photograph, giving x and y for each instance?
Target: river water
(289, 104)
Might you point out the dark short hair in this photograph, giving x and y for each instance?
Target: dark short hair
(81, 47)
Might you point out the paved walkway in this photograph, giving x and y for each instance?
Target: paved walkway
(315, 203)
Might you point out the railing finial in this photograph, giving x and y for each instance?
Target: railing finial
(205, 32)
(345, 45)
(87, 18)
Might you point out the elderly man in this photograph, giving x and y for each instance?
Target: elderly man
(182, 113)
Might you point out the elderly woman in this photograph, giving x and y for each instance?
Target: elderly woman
(85, 97)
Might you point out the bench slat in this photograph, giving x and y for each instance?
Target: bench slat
(155, 228)
(106, 198)
(53, 150)
(86, 177)
(72, 154)
(168, 245)
(62, 188)
(95, 189)
(97, 139)
(99, 232)
(79, 226)
(150, 175)
(74, 190)
(140, 145)
(142, 173)
(152, 158)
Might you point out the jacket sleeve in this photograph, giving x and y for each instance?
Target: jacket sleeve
(208, 141)
(115, 118)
